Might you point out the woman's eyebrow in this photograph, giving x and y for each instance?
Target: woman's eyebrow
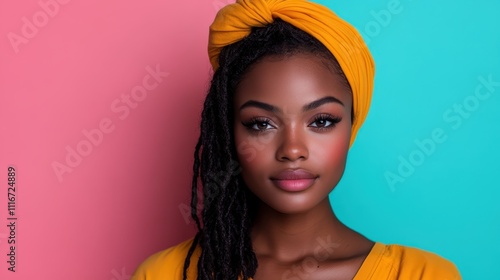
(273, 109)
(261, 105)
(319, 102)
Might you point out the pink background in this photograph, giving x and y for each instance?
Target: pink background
(103, 214)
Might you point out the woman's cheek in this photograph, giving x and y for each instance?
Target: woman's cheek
(337, 153)
(246, 152)
(250, 147)
(331, 149)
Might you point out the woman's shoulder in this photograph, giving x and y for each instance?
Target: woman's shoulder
(395, 261)
(167, 264)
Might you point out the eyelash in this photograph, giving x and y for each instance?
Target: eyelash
(327, 117)
(322, 117)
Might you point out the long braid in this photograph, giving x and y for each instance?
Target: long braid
(229, 207)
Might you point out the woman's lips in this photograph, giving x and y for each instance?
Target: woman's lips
(294, 185)
(293, 180)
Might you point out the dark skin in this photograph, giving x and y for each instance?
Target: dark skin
(296, 234)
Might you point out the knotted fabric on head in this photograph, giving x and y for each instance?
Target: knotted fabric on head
(235, 21)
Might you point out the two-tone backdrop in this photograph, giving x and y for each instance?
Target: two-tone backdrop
(99, 109)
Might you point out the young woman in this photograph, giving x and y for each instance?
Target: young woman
(292, 85)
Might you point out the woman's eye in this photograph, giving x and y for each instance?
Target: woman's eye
(322, 123)
(258, 125)
(325, 121)
(261, 125)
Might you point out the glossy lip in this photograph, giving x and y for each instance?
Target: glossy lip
(294, 180)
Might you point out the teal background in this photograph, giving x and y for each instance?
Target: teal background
(429, 56)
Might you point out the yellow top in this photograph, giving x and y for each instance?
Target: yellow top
(385, 262)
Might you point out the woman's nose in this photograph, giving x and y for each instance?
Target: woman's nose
(292, 146)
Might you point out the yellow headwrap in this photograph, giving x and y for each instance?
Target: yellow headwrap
(235, 21)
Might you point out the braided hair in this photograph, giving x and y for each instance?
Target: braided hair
(224, 218)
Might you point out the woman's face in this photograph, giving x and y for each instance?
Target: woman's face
(292, 129)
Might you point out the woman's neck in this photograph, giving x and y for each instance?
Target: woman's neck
(289, 237)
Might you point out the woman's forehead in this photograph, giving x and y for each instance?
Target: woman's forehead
(291, 81)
